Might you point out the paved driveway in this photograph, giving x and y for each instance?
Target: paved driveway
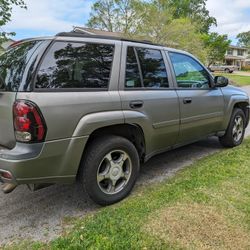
(40, 215)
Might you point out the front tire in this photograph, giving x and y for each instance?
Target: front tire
(236, 129)
(109, 169)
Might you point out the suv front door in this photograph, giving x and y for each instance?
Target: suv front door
(201, 105)
(147, 95)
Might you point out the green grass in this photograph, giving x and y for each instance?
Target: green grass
(236, 79)
(205, 206)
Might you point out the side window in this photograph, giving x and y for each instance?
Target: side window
(189, 73)
(76, 65)
(133, 79)
(145, 68)
(13, 64)
(153, 68)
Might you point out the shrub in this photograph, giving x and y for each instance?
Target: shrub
(246, 68)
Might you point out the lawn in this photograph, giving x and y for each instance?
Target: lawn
(205, 206)
(236, 79)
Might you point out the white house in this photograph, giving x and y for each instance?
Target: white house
(239, 56)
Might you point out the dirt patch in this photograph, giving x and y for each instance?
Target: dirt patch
(196, 226)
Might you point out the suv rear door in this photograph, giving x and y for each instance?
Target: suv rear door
(13, 66)
(201, 105)
(147, 94)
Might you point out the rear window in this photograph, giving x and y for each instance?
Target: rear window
(13, 64)
(76, 66)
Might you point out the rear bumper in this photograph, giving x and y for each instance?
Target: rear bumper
(49, 162)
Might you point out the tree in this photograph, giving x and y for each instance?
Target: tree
(124, 15)
(114, 15)
(166, 22)
(5, 14)
(176, 33)
(195, 10)
(244, 39)
(154, 24)
(184, 35)
(159, 26)
(217, 46)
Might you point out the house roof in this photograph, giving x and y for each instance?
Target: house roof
(7, 43)
(237, 47)
(90, 31)
(116, 35)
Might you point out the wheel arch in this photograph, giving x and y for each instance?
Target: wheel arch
(132, 132)
(244, 106)
(232, 102)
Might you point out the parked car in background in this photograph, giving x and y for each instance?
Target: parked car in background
(92, 109)
(225, 68)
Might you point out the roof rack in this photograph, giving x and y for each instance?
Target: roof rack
(82, 34)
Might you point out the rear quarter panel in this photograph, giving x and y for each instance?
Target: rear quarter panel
(7, 137)
(63, 111)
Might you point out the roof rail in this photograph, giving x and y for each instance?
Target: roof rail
(82, 34)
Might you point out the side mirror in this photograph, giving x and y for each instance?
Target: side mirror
(220, 81)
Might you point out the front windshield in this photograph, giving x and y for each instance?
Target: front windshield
(13, 63)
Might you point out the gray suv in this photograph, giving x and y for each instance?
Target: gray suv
(91, 109)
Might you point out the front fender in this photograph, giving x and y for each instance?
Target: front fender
(231, 101)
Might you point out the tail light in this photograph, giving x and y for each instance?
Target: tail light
(6, 175)
(29, 123)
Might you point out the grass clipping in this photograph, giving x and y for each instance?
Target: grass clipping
(196, 226)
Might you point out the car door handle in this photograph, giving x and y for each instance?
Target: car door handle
(136, 104)
(187, 100)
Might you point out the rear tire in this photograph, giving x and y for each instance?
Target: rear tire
(236, 129)
(109, 169)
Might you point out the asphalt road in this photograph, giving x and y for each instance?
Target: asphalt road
(41, 215)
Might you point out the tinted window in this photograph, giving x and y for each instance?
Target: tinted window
(13, 64)
(146, 68)
(189, 73)
(76, 65)
(133, 79)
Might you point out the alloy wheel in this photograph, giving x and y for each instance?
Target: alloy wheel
(114, 172)
(238, 128)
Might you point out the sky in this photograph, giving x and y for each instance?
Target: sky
(48, 17)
